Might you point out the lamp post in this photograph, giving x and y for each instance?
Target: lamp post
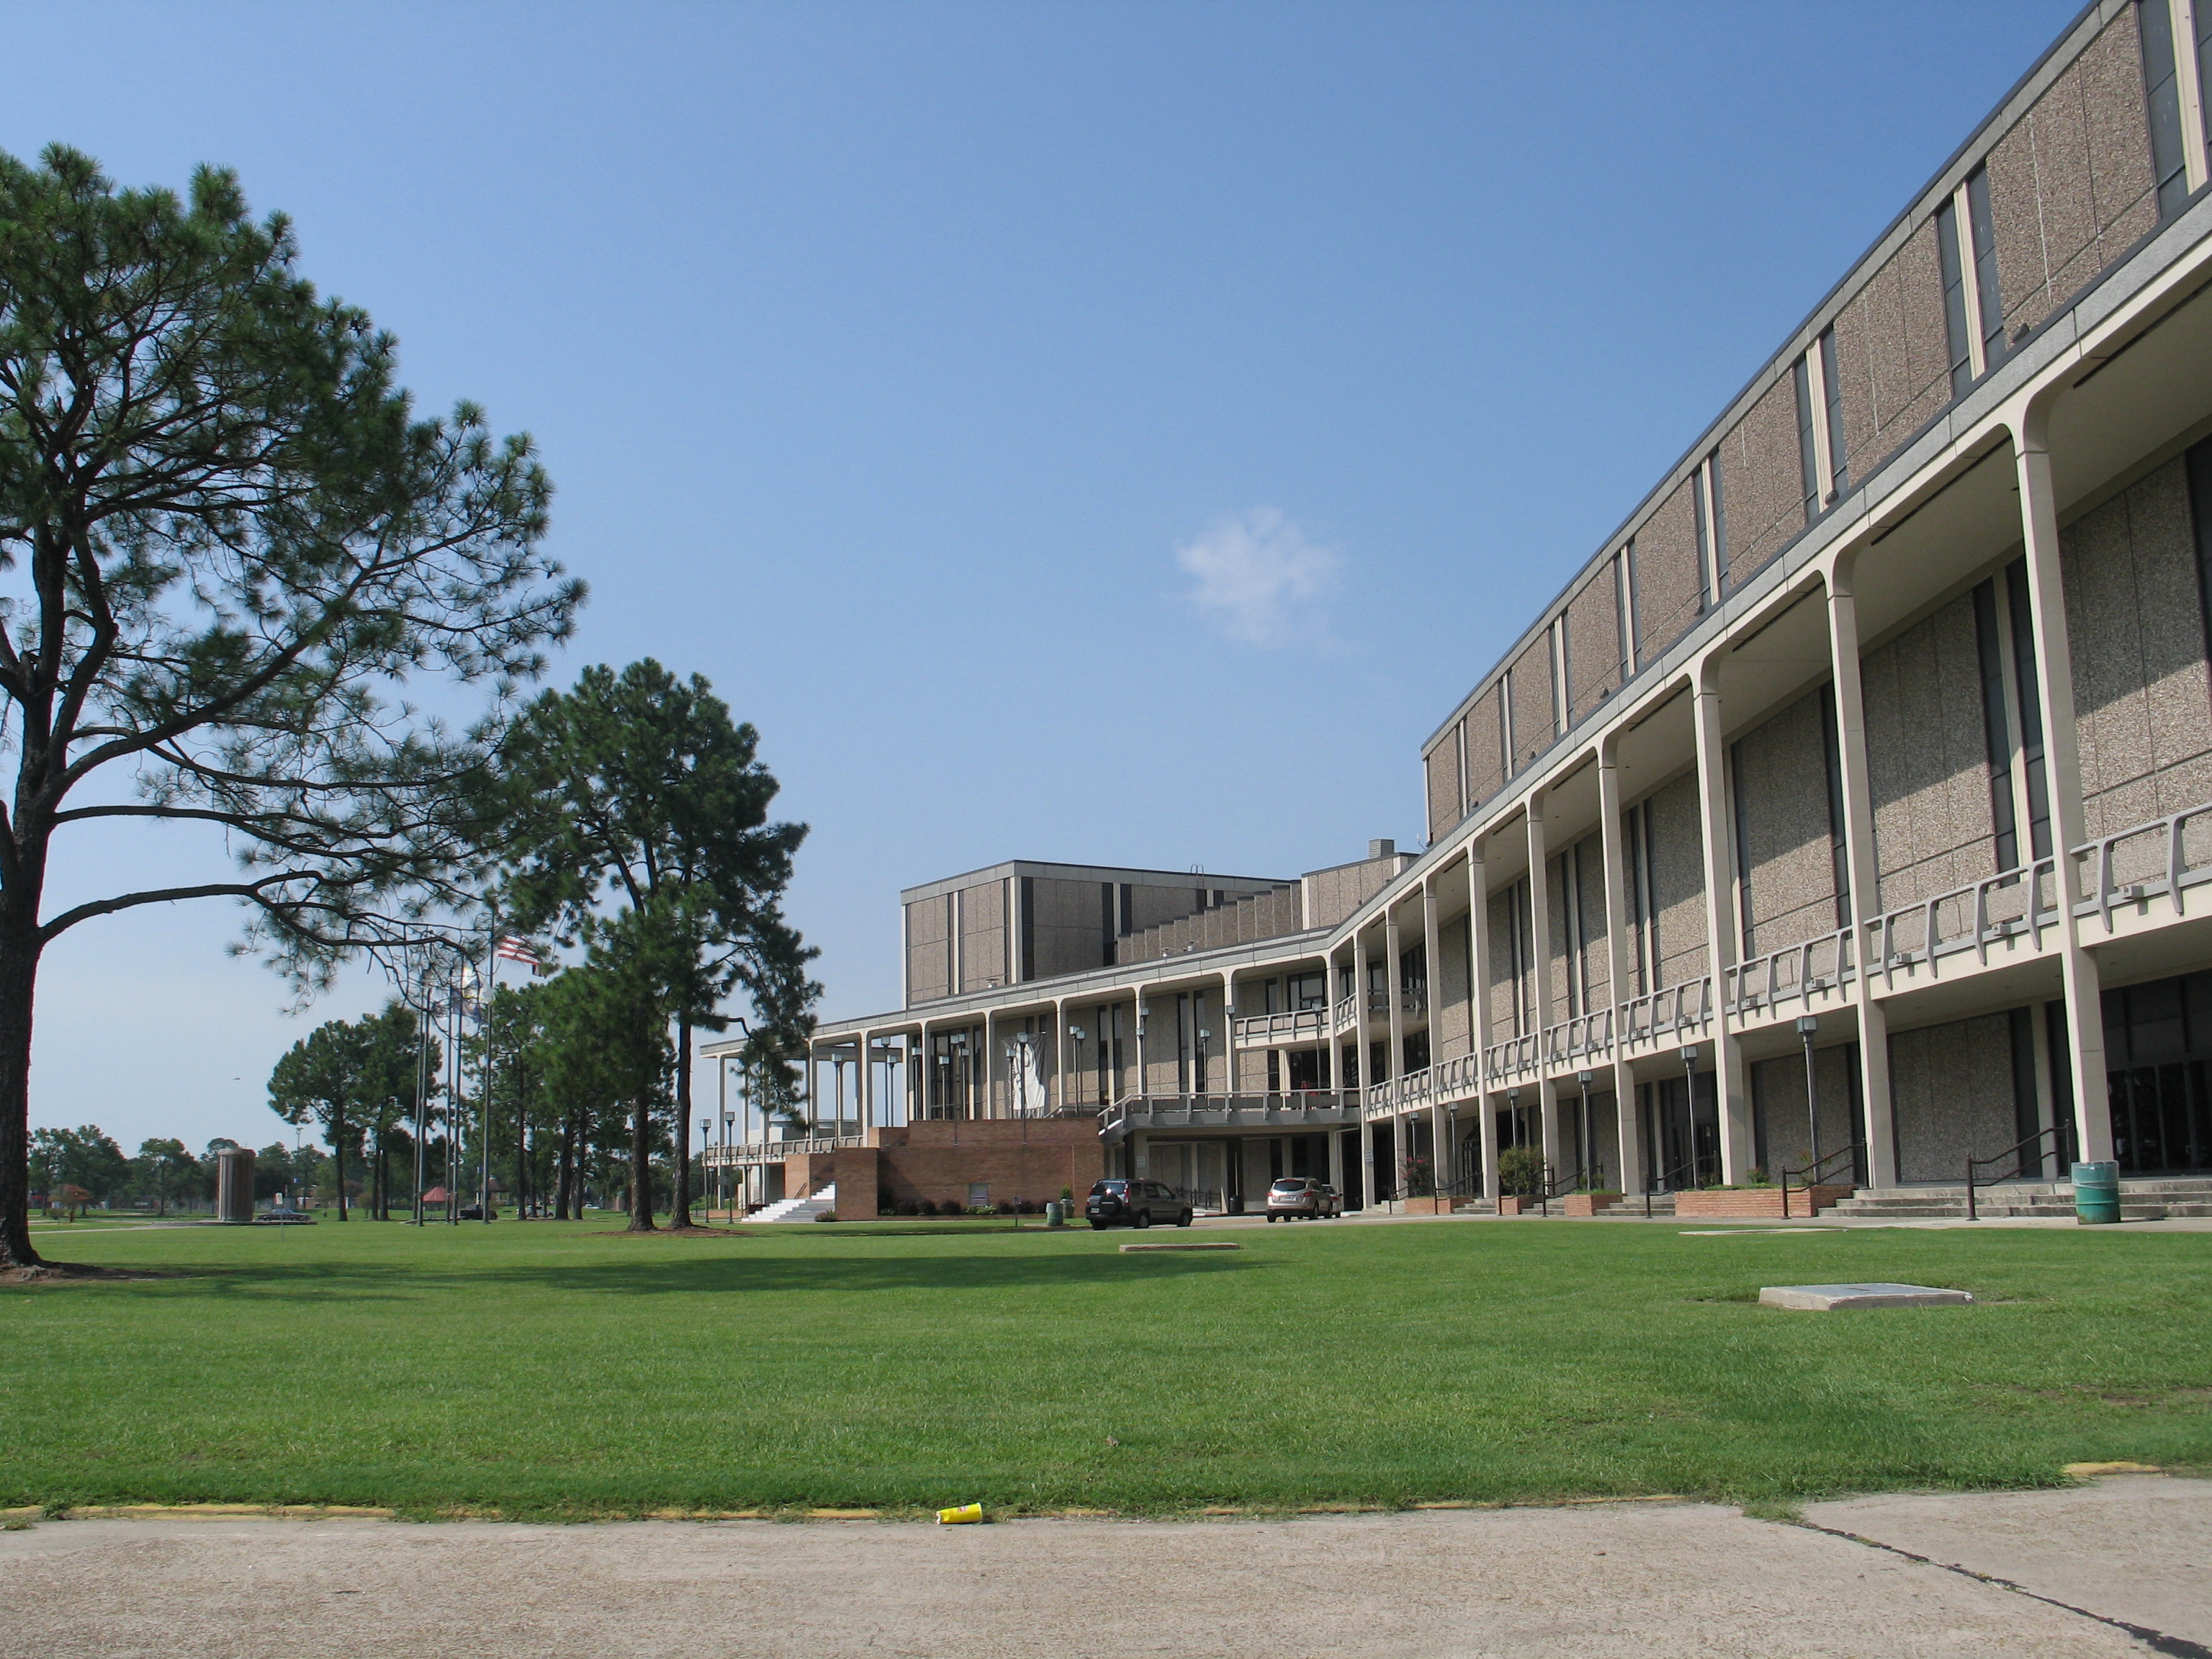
(1690, 1106)
(1582, 1150)
(1806, 1024)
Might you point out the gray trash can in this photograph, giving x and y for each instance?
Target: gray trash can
(2096, 1193)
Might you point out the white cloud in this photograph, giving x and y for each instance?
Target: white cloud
(1259, 578)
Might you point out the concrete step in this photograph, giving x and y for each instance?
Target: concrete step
(800, 1209)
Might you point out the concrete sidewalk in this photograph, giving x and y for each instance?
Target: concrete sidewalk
(1641, 1579)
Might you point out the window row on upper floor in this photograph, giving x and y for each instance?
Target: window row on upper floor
(2102, 147)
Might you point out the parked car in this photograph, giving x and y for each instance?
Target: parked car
(475, 1212)
(285, 1218)
(1296, 1198)
(1116, 1202)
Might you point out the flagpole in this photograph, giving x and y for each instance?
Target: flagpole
(483, 1067)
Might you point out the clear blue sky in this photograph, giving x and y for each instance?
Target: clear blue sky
(1105, 432)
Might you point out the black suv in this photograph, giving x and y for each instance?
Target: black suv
(1119, 1203)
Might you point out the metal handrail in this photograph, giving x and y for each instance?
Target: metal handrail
(1814, 1169)
(1666, 1175)
(2012, 1152)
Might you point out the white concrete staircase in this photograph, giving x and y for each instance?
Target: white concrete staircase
(822, 1206)
(2149, 1198)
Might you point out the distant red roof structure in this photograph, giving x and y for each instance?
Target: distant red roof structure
(436, 1196)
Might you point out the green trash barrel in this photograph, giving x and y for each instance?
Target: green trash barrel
(2096, 1193)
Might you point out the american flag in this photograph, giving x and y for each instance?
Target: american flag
(518, 950)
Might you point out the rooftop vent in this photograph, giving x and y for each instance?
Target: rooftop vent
(1381, 849)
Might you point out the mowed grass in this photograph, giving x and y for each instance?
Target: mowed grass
(552, 1369)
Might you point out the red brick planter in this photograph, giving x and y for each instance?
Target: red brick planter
(1588, 1203)
(1754, 1203)
(1515, 1205)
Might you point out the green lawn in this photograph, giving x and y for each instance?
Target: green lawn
(548, 1368)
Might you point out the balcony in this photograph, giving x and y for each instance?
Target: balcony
(1291, 1112)
(1279, 1030)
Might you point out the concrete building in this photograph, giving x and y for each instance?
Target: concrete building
(1848, 812)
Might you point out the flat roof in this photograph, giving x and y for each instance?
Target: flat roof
(1093, 872)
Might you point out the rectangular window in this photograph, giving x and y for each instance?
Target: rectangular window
(2169, 165)
(1832, 752)
(1996, 730)
(1954, 299)
(2031, 709)
(1838, 472)
(2204, 47)
(1983, 227)
(1719, 513)
(1705, 540)
(1808, 464)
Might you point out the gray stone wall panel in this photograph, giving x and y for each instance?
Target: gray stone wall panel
(1782, 791)
(1762, 481)
(2142, 698)
(1593, 653)
(1927, 760)
(1668, 592)
(1678, 882)
(1533, 716)
(1951, 1089)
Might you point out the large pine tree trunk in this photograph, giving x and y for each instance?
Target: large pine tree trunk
(640, 1167)
(337, 1155)
(564, 1171)
(18, 974)
(681, 1216)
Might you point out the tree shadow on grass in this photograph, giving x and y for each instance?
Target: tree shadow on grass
(723, 1276)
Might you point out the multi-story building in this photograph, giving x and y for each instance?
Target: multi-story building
(1849, 807)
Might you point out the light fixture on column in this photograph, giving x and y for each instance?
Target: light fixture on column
(1583, 1151)
(1806, 1025)
(1690, 1107)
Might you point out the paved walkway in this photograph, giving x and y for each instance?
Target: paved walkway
(1664, 1579)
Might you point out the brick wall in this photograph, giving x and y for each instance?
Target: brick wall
(1017, 1157)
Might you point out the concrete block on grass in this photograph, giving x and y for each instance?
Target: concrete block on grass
(1826, 1299)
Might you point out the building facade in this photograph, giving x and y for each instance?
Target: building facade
(1849, 812)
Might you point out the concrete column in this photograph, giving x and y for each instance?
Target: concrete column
(865, 1089)
(1336, 1160)
(1332, 1051)
(990, 1062)
(1477, 895)
(1362, 1023)
(1539, 942)
(1140, 1156)
(1430, 934)
(2054, 666)
(1230, 1080)
(1720, 927)
(1861, 868)
(1631, 1151)
(1061, 1071)
(1144, 1072)
(1394, 1009)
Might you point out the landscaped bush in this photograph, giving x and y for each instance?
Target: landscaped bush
(925, 1207)
(1521, 1171)
(908, 1206)
(1007, 1207)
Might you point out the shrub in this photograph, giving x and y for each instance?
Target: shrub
(1007, 1207)
(908, 1206)
(1521, 1171)
(925, 1208)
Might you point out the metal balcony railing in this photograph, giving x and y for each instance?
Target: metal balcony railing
(1676, 1008)
(1796, 973)
(1274, 1030)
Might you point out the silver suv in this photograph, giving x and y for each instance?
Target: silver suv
(1294, 1197)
